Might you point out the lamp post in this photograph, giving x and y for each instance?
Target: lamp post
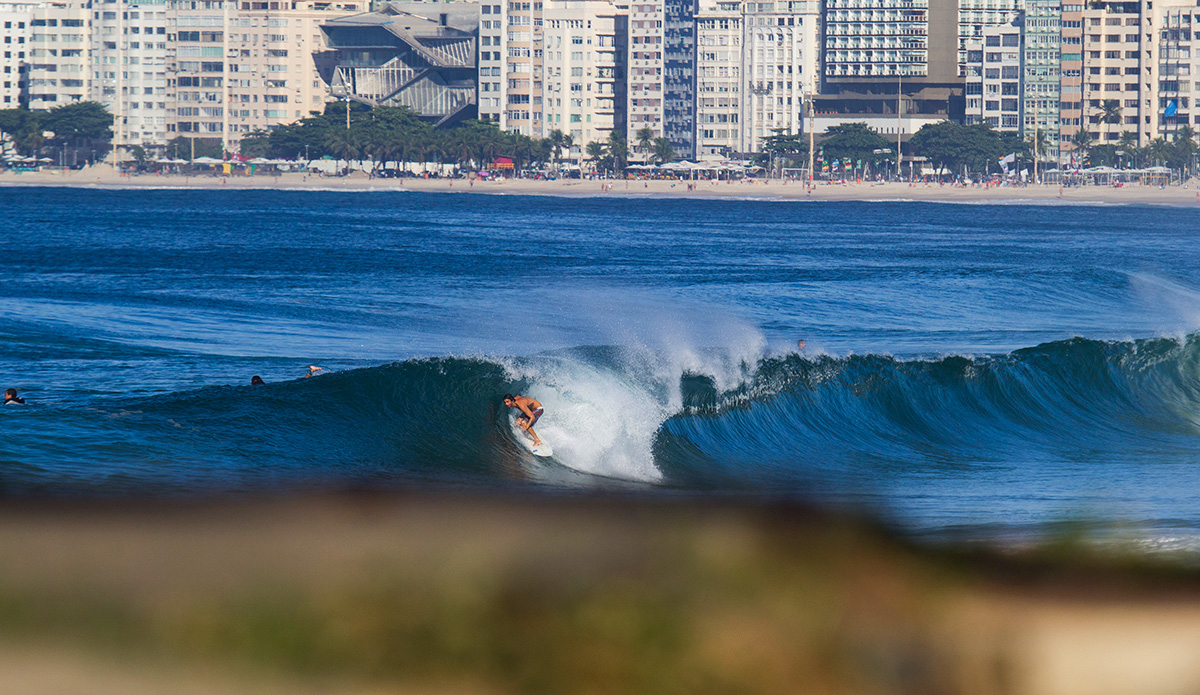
(899, 114)
(885, 150)
(812, 134)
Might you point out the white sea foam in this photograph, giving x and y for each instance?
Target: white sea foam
(603, 409)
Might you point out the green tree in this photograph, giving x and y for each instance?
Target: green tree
(1128, 144)
(1185, 148)
(79, 124)
(854, 142)
(1082, 142)
(974, 147)
(24, 127)
(1110, 111)
(645, 138)
(783, 147)
(557, 140)
(596, 154)
(618, 149)
(1103, 156)
(181, 147)
(662, 151)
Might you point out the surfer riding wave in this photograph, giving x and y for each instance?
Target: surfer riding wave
(532, 410)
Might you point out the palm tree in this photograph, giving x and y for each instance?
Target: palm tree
(618, 149)
(1110, 111)
(556, 138)
(1185, 144)
(343, 144)
(645, 138)
(663, 151)
(568, 142)
(595, 152)
(1159, 149)
(1082, 140)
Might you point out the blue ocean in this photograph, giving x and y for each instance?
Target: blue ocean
(966, 369)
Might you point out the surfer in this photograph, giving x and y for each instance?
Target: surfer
(313, 370)
(257, 381)
(10, 398)
(532, 409)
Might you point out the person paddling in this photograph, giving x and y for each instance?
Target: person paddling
(10, 398)
(532, 409)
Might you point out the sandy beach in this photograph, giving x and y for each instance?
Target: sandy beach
(1187, 194)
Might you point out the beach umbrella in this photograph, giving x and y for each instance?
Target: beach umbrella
(207, 160)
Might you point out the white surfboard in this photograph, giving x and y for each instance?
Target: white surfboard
(525, 440)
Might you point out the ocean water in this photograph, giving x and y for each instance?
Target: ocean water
(973, 369)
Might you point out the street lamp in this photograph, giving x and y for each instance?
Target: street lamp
(885, 150)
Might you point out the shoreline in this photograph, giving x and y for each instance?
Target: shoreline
(1186, 195)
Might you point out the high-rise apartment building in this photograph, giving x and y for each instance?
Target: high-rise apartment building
(877, 38)
(517, 66)
(882, 57)
(976, 15)
(1172, 73)
(60, 68)
(679, 76)
(995, 84)
(780, 67)
(1112, 92)
(1041, 73)
(15, 33)
(128, 44)
(492, 83)
(645, 72)
(238, 67)
(718, 78)
(1070, 84)
(584, 65)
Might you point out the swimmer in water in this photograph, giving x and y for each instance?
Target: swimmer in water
(10, 398)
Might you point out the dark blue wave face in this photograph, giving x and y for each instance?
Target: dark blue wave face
(941, 384)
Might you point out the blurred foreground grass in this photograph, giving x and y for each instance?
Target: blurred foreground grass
(588, 596)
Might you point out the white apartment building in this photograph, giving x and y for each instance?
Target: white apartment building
(718, 78)
(645, 73)
(60, 67)
(993, 92)
(129, 68)
(491, 62)
(238, 67)
(780, 68)
(976, 15)
(876, 38)
(15, 20)
(518, 70)
(583, 67)
(1111, 70)
(1172, 74)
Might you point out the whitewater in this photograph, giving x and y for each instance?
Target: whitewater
(977, 370)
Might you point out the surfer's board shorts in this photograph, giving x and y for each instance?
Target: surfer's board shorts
(536, 414)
